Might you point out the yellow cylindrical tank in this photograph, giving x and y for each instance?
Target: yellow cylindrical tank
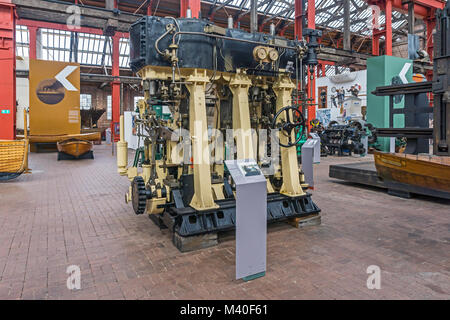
(122, 150)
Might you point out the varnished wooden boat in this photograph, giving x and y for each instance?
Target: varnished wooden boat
(74, 147)
(420, 172)
(14, 156)
(90, 136)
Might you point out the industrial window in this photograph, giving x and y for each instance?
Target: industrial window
(94, 49)
(124, 49)
(109, 108)
(55, 45)
(331, 70)
(85, 101)
(329, 13)
(22, 41)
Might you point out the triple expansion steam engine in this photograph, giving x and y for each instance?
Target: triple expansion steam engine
(212, 94)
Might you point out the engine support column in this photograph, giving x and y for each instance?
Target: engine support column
(198, 127)
(289, 163)
(239, 86)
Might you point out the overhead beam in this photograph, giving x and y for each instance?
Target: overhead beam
(57, 12)
(286, 11)
(214, 8)
(110, 4)
(59, 26)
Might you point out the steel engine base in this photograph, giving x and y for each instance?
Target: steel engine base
(186, 221)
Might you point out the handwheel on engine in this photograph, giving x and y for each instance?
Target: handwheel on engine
(286, 125)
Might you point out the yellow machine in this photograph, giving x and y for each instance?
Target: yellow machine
(205, 85)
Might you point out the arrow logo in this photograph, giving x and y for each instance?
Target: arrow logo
(62, 78)
(402, 73)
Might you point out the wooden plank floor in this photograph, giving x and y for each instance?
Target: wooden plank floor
(73, 213)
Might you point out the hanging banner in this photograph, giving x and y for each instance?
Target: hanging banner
(54, 98)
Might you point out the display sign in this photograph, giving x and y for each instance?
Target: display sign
(251, 218)
(54, 98)
(249, 169)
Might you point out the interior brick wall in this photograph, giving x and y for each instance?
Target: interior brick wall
(100, 98)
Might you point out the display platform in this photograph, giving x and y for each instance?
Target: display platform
(366, 173)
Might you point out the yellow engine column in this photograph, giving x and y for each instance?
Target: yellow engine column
(289, 164)
(198, 126)
(239, 86)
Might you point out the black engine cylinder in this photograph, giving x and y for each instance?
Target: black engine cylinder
(203, 51)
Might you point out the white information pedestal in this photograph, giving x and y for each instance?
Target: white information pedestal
(251, 218)
(308, 159)
(316, 138)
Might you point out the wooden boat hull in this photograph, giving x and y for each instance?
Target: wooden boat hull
(429, 173)
(75, 147)
(91, 136)
(13, 158)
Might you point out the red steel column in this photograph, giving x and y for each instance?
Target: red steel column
(323, 67)
(8, 69)
(388, 28)
(115, 85)
(376, 33)
(375, 42)
(33, 41)
(149, 8)
(183, 8)
(194, 5)
(430, 24)
(298, 26)
(311, 14)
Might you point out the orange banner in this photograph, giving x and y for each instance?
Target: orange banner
(54, 98)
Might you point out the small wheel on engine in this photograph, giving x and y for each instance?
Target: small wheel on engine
(139, 195)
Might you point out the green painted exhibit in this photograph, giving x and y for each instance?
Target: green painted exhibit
(384, 71)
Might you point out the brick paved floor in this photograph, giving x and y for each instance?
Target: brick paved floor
(73, 213)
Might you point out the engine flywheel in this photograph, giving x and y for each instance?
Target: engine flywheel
(139, 195)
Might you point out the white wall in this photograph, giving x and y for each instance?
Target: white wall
(333, 81)
(22, 91)
(132, 139)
